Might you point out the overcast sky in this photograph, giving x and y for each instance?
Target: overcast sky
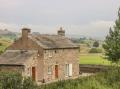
(84, 17)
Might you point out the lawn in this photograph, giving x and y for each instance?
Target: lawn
(93, 59)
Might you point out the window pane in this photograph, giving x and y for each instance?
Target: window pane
(67, 69)
(50, 70)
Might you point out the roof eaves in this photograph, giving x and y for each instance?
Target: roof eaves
(64, 48)
(12, 65)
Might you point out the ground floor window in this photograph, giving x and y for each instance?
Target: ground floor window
(68, 70)
(28, 72)
(49, 70)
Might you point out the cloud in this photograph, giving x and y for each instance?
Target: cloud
(10, 4)
(84, 17)
(93, 29)
(57, 11)
(9, 26)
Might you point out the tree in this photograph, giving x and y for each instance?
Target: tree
(112, 42)
(96, 44)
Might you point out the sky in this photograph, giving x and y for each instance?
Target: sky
(91, 18)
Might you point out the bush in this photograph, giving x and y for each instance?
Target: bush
(96, 44)
(95, 50)
(12, 80)
(29, 84)
(1, 51)
(1, 44)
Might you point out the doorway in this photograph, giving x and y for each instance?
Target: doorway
(56, 71)
(33, 73)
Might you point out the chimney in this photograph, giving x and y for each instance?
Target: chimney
(25, 32)
(61, 32)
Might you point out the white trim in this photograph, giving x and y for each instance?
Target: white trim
(70, 70)
(67, 70)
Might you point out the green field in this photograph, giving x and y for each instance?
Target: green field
(4, 43)
(93, 59)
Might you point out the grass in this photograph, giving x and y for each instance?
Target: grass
(96, 59)
(107, 80)
(5, 43)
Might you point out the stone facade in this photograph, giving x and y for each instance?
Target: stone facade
(47, 62)
(61, 57)
(19, 69)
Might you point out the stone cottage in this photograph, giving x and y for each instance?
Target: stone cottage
(42, 57)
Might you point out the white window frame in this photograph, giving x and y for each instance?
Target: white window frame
(68, 70)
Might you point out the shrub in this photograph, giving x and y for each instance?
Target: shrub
(95, 50)
(96, 44)
(12, 80)
(29, 84)
(1, 51)
(1, 44)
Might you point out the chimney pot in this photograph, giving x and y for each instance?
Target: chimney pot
(25, 32)
(61, 32)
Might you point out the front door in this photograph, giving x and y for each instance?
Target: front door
(33, 73)
(56, 71)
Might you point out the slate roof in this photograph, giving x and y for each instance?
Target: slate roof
(53, 41)
(16, 57)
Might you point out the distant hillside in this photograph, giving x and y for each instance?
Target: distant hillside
(76, 36)
(6, 38)
(4, 43)
(7, 33)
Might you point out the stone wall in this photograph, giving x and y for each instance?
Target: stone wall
(19, 45)
(30, 45)
(88, 68)
(7, 68)
(61, 57)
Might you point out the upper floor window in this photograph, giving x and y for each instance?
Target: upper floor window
(55, 51)
(50, 54)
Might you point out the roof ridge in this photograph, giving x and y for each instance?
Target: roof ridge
(52, 41)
